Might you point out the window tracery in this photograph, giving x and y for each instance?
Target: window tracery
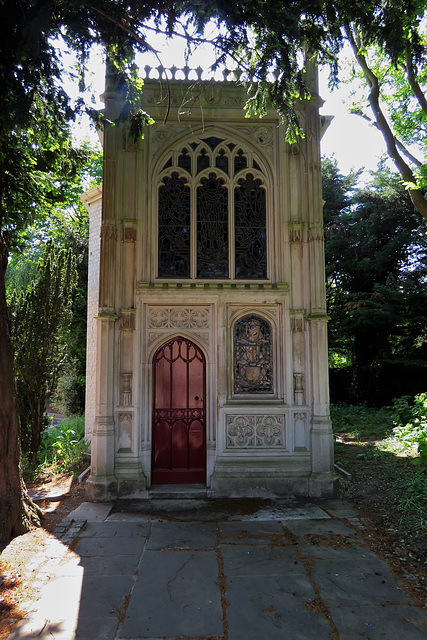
(212, 212)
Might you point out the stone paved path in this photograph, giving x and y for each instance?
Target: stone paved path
(183, 570)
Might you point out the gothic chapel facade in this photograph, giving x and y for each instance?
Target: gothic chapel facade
(207, 340)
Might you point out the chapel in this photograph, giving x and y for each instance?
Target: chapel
(207, 329)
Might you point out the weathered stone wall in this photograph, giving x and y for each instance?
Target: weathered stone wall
(93, 203)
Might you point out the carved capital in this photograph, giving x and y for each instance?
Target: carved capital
(128, 233)
(108, 231)
(316, 232)
(295, 231)
(127, 320)
(297, 320)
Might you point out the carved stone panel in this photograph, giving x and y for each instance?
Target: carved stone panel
(300, 431)
(125, 437)
(255, 432)
(196, 320)
(178, 317)
(263, 136)
(126, 389)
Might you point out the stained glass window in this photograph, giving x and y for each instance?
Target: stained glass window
(174, 228)
(240, 161)
(184, 160)
(203, 160)
(212, 228)
(250, 229)
(252, 356)
(199, 215)
(221, 161)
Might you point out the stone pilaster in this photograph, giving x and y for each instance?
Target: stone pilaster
(322, 480)
(102, 483)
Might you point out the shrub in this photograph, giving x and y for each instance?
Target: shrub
(410, 419)
(63, 447)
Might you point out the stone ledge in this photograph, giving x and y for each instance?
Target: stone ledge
(213, 286)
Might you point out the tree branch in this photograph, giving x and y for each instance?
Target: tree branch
(399, 144)
(404, 169)
(417, 91)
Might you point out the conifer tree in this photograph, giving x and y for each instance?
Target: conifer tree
(40, 317)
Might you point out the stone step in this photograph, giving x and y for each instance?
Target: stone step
(180, 491)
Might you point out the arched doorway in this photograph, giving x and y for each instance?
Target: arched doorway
(179, 414)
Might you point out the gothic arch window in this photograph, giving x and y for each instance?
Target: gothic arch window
(252, 356)
(212, 212)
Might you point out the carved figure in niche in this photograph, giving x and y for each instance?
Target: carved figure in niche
(253, 362)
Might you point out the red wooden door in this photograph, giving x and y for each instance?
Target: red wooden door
(179, 417)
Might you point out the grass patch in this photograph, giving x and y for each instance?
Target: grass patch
(383, 450)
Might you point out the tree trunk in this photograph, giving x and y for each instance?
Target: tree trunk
(18, 514)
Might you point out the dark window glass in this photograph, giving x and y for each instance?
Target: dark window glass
(168, 164)
(213, 141)
(240, 161)
(203, 161)
(221, 161)
(250, 248)
(174, 228)
(184, 160)
(252, 356)
(212, 228)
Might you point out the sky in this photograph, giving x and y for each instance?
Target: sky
(349, 137)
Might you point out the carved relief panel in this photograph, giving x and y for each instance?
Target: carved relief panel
(194, 319)
(255, 432)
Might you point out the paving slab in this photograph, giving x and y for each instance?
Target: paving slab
(182, 535)
(288, 512)
(92, 511)
(118, 565)
(96, 628)
(273, 607)
(366, 581)
(246, 561)
(378, 623)
(111, 529)
(321, 527)
(104, 596)
(175, 594)
(259, 533)
(103, 546)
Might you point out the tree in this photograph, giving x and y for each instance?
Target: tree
(40, 316)
(264, 38)
(396, 81)
(376, 250)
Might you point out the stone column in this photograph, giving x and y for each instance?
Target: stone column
(102, 483)
(322, 478)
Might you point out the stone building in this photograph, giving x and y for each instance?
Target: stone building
(207, 339)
